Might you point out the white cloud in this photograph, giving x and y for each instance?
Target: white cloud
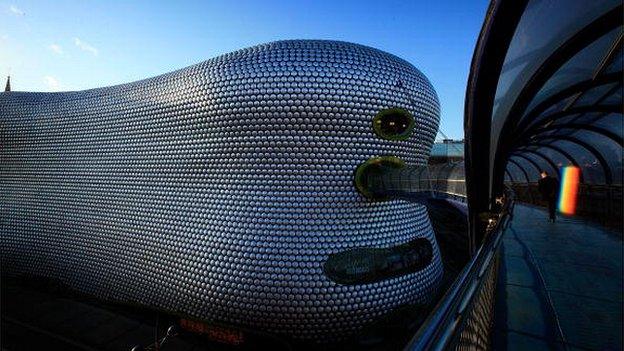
(57, 49)
(85, 47)
(52, 83)
(16, 11)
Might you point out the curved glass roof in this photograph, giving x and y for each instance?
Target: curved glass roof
(570, 96)
(558, 99)
(546, 86)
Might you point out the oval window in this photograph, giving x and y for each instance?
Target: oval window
(393, 124)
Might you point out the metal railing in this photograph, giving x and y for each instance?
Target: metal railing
(600, 203)
(462, 319)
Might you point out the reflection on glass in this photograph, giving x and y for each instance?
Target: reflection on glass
(569, 190)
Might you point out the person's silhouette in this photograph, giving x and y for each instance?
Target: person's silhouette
(548, 186)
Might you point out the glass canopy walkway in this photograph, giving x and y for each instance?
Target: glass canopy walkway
(558, 103)
(544, 94)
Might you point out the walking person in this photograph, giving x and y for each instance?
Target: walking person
(548, 186)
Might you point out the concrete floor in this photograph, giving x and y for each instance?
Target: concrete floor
(560, 285)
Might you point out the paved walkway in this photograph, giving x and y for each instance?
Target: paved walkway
(560, 285)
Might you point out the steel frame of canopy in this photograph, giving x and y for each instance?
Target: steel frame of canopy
(540, 155)
(552, 147)
(533, 163)
(545, 157)
(599, 100)
(563, 54)
(540, 128)
(567, 155)
(595, 107)
(524, 172)
(487, 61)
(509, 175)
(545, 124)
(577, 88)
(584, 37)
(591, 122)
(603, 162)
(485, 172)
(578, 126)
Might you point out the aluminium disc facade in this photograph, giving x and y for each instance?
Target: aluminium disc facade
(218, 191)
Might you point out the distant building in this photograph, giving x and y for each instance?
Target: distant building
(448, 150)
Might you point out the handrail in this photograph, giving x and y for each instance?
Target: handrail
(385, 178)
(440, 327)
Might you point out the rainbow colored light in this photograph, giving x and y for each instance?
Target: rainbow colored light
(569, 189)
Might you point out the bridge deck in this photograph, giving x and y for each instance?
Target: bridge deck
(560, 285)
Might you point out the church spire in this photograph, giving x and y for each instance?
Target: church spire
(8, 84)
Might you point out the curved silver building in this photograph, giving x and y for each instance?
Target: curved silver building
(223, 190)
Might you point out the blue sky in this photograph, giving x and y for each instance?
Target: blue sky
(74, 45)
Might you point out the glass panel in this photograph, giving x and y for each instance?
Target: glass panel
(529, 168)
(543, 165)
(591, 96)
(457, 179)
(458, 173)
(555, 156)
(448, 149)
(553, 109)
(439, 150)
(445, 171)
(456, 149)
(440, 171)
(581, 67)
(591, 168)
(613, 99)
(609, 149)
(541, 30)
(516, 173)
(616, 63)
(611, 121)
(562, 130)
(585, 118)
